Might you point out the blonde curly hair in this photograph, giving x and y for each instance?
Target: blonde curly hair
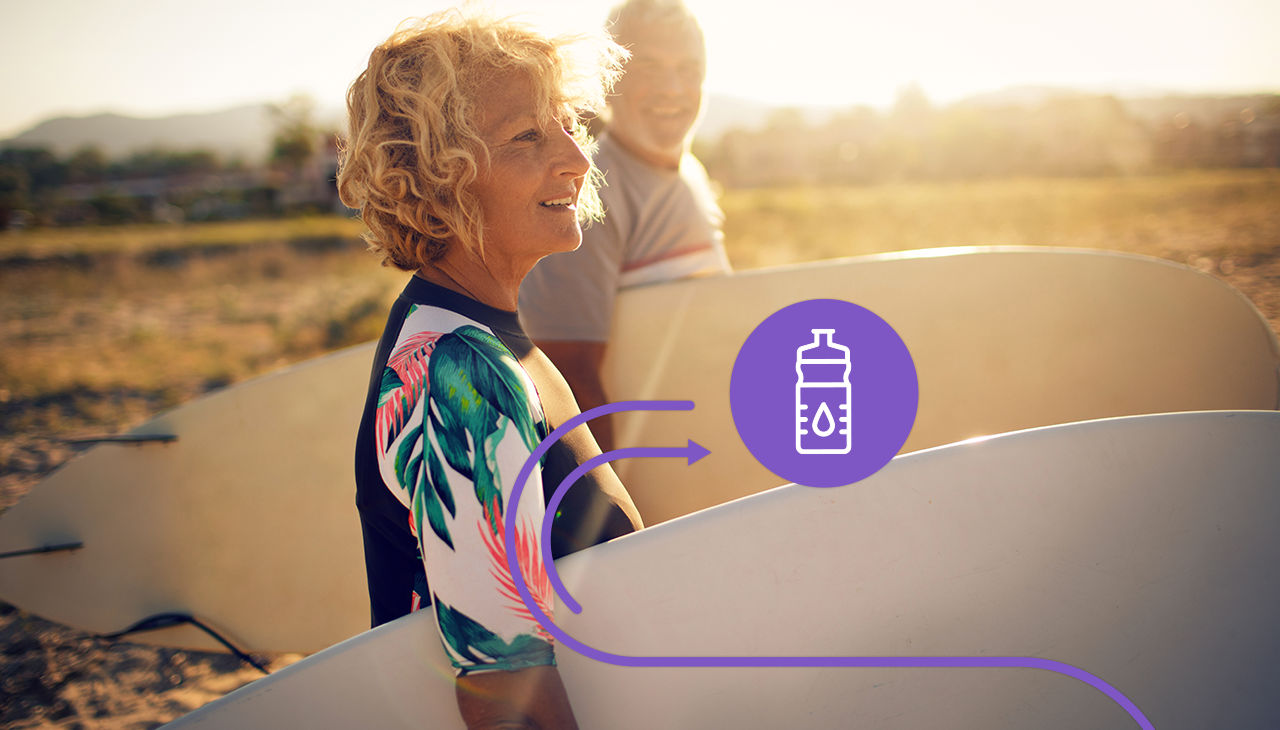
(412, 149)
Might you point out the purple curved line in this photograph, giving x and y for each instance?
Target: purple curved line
(900, 662)
(522, 478)
(563, 488)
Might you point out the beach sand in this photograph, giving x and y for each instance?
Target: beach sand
(57, 677)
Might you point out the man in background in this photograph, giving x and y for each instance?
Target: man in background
(661, 222)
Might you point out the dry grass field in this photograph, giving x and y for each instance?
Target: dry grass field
(101, 329)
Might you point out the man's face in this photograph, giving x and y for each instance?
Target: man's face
(660, 94)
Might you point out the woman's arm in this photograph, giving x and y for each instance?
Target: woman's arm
(480, 428)
(580, 362)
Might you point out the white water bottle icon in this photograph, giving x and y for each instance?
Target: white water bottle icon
(823, 396)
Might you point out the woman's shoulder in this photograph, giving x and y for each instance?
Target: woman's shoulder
(471, 372)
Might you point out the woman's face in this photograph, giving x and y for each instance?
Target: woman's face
(529, 192)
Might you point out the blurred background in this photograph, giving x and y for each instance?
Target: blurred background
(169, 223)
(213, 111)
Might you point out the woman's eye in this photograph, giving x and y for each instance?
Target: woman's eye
(531, 135)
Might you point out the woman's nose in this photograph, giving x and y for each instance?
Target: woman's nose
(571, 160)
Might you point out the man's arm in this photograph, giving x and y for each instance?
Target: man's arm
(580, 361)
(526, 699)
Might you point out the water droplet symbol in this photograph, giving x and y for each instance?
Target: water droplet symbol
(823, 423)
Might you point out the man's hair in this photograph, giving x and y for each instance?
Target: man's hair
(412, 148)
(632, 17)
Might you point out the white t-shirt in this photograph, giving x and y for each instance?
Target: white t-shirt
(659, 225)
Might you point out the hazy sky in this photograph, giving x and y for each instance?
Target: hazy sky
(153, 57)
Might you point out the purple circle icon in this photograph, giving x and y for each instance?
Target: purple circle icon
(824, 393)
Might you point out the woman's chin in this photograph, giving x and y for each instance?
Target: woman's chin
(570, 242)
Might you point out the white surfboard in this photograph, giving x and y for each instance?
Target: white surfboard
(1002, 339)
(1139, 550)
(247, 520)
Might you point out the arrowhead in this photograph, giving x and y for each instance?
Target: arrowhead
(696, 451)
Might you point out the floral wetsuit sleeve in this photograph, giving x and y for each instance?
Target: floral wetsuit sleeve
(457, 419)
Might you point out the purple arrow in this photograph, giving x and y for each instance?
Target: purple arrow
(693, 452)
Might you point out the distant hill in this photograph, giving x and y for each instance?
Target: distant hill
(1147, 105)
(245, 131)
(726, 112)
(1034, 95)
(1205, 110)
(240, 132)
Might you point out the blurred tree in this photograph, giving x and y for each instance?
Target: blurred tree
(1085, 134)
(87, 165)
(294, 141)
(43, 170)
(159, 162)
(912, 110)
(1067, 133)
(29, 176)
(787, 119)
(113, 208)
(13, 194)
(968, 143)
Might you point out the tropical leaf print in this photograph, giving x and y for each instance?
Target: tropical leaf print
(476, 390)
(471, 643)
(439, 495)
(404, 381)
(403, 387)
(531, 568)
(431, 494)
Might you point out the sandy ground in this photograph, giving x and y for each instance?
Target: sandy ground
(57, 677)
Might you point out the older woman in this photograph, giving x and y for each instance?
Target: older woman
(465, 158)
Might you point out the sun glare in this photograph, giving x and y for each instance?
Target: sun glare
(803, 52)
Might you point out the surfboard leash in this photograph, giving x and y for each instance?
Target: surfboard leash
(166, 620)
(62, 547)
